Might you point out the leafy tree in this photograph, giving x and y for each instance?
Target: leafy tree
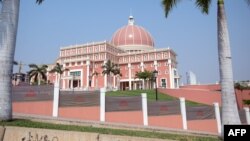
(246, 102)
(145, 75)
(8, 31)
(229, 106)
(37, 73)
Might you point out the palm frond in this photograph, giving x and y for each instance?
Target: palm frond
(95, 73)
(32, 74)
(53, 71)
(44, 76)
(44, 66)
(168, 5)
(203, 5)
(39, 1)
(33, 66)
(248, 2)
(36, 77)
(14, 62)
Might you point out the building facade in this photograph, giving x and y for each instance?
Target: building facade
(191, 78)
(131, 47)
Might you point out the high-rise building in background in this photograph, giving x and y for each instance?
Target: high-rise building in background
(191, 78)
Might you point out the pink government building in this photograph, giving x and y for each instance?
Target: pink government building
(131, 47)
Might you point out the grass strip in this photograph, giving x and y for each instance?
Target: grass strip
(122, 132)
(150, 96)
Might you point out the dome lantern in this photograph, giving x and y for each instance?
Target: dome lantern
(131, 20)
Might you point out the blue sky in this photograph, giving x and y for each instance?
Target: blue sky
(45, 28)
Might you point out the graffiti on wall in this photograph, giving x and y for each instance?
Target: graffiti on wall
(37, 137)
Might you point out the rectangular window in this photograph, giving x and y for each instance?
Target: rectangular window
(163, 83)
(75, 73)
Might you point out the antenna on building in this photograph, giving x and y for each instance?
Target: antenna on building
(130, 14)
(131, 20)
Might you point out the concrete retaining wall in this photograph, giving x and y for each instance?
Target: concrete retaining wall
(33, 134)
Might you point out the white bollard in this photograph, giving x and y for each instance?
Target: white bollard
(55, 100)
(183, 112)
(247, 115)
(144, 109)
(102, 104)
(217, 116)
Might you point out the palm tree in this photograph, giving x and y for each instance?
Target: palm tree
(58, 68)
(110, 68)
(229, 105)
(95, 74)
(118, 75)
(8, 31)
(37, 72)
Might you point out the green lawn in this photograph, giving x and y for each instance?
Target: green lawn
(150, 95)
(123, 132)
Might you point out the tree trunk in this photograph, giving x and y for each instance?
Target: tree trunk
(229, 105)
(8, 31)
(59, 81)
(39, 79)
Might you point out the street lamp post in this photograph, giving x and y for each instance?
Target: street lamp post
(155, 73)
(90, 80)
(72, 82)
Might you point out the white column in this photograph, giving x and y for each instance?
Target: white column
(142, 70)
(78, 83)
(178, 85)
(114, 85)
(87, 73)
(129, 75)
(63, 83)
(171, 78)
(105, 77)
(217, 116)
(155, 64)
(142, 66)
(96, 85)
(183, 112)
(71, 82)
(55, 100)
(135, 84)
(105, 80)
(247, 115)
(144, 109)
(102, 104)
